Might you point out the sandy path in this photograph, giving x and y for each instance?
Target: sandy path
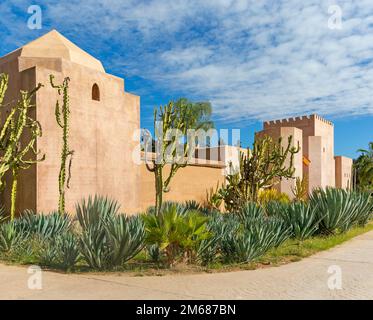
(307, 279)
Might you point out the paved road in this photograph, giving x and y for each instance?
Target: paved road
(307, 279)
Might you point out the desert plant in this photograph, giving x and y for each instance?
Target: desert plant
(171, 124)
(219, 226)
(214, 198)
(93, 247)
(154, 252)
(18, 136)
(176, 232)
(94, 212)
(363, 207)
(302, 218)
(261, 168)
(10, 237)
(108, 239)
(67, 247)
(125, 238)
(300, 191)
(47, 253)
(62, 117)
(268, 195)
(335, 208)
(47, 226)
(249, 211)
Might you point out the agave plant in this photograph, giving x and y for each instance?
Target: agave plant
(250, 211)
(336, 209)
(302, 218)
(125, 238)
(47, 253)
(275, 208)
(93, 247)
(108, 239)
(254, 239)
(68, 253)
(46, 226)
(10, 237)
(363, 207)
(94, 212)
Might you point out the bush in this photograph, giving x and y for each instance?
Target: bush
(108, 240)
(253, 240)
(364, 207)
(219, 226)
(269, 195)
(176, 231)
(250, 211)
(68, 253)
(338, 210)
(46, 226)
(10, 237)
(302, 218)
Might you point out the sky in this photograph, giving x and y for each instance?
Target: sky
(253, 60)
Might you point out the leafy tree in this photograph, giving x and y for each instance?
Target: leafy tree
(363, 167)
(263, 167)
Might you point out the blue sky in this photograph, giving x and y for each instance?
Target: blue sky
(254, 60)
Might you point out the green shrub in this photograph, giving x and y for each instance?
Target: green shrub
(10, 237)
(250, 211)
(154, 252)
(94, 212)
(47, 253)
(108, 240)
(125, 238)
(269, 195)
(338, 209)
(254, 236)
(219, 226)
(46, 226)
(302, 218)
(364, 207)
(176, 231)
(252, 241)
(275, 208)
(68, 253)
(93, 247)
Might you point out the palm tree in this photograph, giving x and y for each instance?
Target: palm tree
(199, 113)
(363, 166)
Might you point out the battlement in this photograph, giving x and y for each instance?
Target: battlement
(305, 120)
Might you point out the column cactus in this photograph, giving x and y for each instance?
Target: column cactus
(62, 114)
(13, 145)
(168, 118)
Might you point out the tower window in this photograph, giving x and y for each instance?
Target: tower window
(95, 92)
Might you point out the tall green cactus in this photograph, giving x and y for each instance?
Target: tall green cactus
(62, 117)
(13, 144)
(168, 118)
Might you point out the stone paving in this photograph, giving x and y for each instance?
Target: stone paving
(306, 279)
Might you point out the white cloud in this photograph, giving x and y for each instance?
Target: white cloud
(251, 59)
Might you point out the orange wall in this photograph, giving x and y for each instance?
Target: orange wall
(189, 183)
